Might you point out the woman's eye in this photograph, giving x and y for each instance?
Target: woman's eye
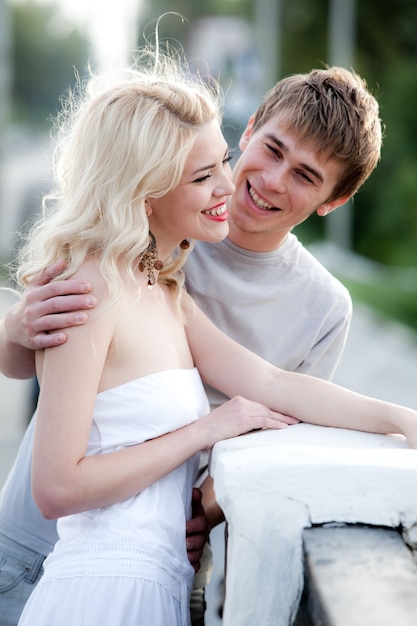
(202, 178)
(227, 159)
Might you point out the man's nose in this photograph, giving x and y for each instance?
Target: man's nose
(276, 179)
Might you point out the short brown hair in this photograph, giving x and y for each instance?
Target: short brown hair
(333, 110)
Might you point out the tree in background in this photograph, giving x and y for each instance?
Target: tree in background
(386, 212)
(385, 209)
(45, 51)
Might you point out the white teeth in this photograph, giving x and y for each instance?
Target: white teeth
(261, 204)
(216, 212)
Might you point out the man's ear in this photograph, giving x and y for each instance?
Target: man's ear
(327, 208)
(246, 135)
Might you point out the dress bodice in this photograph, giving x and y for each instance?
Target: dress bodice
(129, 414)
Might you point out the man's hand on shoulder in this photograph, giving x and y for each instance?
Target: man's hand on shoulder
(46, 308)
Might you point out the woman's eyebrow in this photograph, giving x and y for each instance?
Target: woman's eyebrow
(208, 167)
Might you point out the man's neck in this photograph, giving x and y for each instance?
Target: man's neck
(257, 242)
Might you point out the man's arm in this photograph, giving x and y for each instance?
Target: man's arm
(15, 361)
(37, 320)
(213, 512)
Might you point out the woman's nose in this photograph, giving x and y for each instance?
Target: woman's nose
(226, 186)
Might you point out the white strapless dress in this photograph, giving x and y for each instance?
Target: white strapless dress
(126, 564)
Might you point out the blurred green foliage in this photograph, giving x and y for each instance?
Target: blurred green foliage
(387, 297)
(385, 209)
(45, 51)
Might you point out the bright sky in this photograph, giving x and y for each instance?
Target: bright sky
(110, 24)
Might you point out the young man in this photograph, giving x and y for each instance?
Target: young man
(311, 144)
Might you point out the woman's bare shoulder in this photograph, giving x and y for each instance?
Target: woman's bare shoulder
(90, 272)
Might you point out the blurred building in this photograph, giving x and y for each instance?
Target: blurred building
(224, 47)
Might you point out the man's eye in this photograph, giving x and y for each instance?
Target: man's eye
(305, 177)
(274, 150)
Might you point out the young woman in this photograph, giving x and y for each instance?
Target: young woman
(142, 168)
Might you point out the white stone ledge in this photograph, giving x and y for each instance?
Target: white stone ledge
(273, 484)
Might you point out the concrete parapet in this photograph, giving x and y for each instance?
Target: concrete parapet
(272, 485)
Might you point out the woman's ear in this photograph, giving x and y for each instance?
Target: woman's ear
(329, 207)
(148, 207)
(246, 135)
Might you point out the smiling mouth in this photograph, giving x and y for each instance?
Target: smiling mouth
(216, 212)
(259, 203)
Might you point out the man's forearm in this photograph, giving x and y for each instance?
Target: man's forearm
(15, 360)
(213, 512)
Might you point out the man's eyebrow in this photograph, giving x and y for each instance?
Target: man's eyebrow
(284, 148)
(277, 141)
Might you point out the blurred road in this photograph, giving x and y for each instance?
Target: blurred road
(380, 359)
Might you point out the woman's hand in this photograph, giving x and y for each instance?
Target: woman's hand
(239, 416)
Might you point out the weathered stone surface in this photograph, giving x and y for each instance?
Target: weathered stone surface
(272, 485)
(360, 576)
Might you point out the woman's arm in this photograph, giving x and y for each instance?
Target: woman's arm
(65, 480)
(232, 369)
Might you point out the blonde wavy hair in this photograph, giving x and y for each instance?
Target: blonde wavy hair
(120, 138)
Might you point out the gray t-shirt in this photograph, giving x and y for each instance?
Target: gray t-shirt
(283, 305)
(20, 518)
